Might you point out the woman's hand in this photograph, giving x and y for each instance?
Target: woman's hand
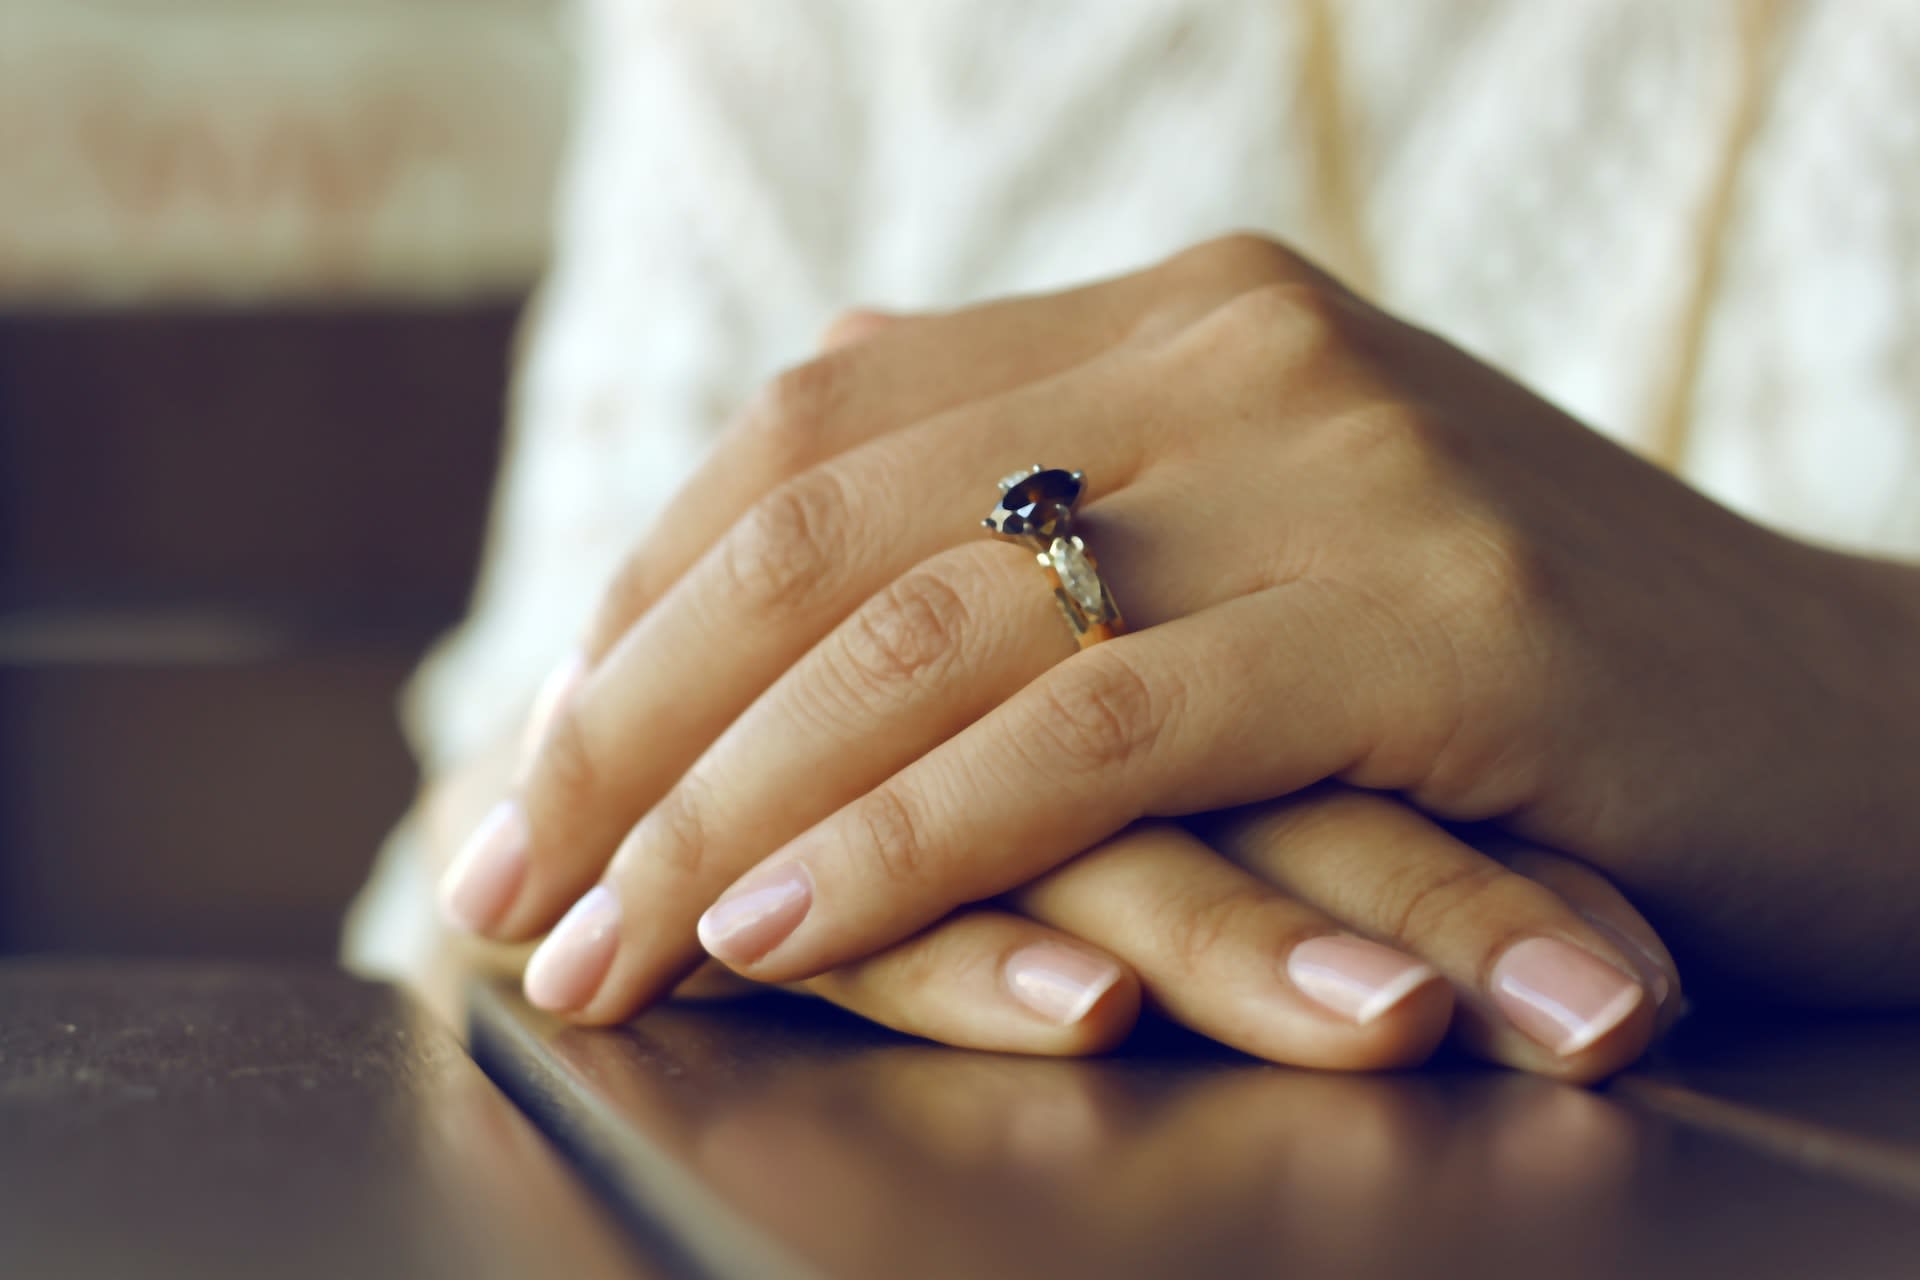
(1208, 933)
(1348, 552)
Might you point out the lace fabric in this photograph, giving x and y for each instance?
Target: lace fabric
(1695, 226)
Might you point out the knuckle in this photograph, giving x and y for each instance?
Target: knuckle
(1396, 443)
(1319, 816)
(1242, 257)
(892, 836)
(1194, 933)
(1267, 334)
(791, 417)
(1301, 320)
(629, 593)
(789, 545)
(1491, 570)
(1098, 712)
(1416, 904)
(910, 631)
(853, 324)
(568, 765)
(678, 835)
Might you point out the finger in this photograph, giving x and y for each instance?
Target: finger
(797, 563)
(1604, 907)
(1235, 960)
(852, 327)
(689, 527)
(1537, 986)
(1173, 718)
(991, 980)
(714, 982)
(919, 662)
(875, 378)
(914, 665)
(795, 568)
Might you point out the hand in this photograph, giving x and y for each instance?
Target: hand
(1155, 912)
(1230, 947)
(1433, 576)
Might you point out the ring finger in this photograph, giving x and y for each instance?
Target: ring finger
(794, 568)
(924, 658)
(919, 661)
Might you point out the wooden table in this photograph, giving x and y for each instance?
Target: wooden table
(217, 1122)
(223, 1122)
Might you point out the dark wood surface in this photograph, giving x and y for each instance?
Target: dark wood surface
(207, 1123)
(228, 1121)
(782, 1131)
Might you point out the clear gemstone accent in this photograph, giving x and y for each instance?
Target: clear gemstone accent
(1077, 575)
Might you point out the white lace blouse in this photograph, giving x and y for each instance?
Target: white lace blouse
(1696, 226)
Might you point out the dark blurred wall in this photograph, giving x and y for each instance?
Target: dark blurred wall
(227, 538)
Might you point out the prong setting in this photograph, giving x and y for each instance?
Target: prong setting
(1036, 509)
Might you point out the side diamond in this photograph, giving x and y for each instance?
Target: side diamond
(1077, 575)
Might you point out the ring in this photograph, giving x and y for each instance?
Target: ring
(1036, 510)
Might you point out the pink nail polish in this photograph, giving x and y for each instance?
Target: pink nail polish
(568, 968)
(1561, 996)
(1059, 983)
(1652, 974)
(555, 691)
(1357, 979)
(757, 914)
(485, 876)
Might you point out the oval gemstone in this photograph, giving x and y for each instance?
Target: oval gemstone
(1040, 506)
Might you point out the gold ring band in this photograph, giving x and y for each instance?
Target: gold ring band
(1036, 510)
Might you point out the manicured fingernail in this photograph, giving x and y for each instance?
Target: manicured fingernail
(1357, 979)
(571, 964)
(554, 692)
(1562, 996)
(1059, 983)
(485, 875)
(1652, 974)
(756, 915)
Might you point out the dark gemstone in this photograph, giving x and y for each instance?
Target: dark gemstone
(1038, 507)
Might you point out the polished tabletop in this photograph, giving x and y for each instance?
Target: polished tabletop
(780, 1129)
(216, 1121)
(205, 1122)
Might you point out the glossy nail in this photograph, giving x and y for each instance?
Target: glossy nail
(1561, 996)
(570, 965)
(757, 914)
(555, 691)
(1652, 974)
(485, 876)
(1059, 983)
(1357, 979)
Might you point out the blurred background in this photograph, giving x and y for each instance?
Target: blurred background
(261, 263)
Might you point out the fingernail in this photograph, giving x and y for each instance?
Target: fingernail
(1561, 996)
(1357, 979)
(756, 915)
(485, 876)
(1652, 973)
(554, 692)
(571, 964)
(1059, 983)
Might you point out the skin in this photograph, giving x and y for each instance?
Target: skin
(1212, 966)
(1377, 592)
